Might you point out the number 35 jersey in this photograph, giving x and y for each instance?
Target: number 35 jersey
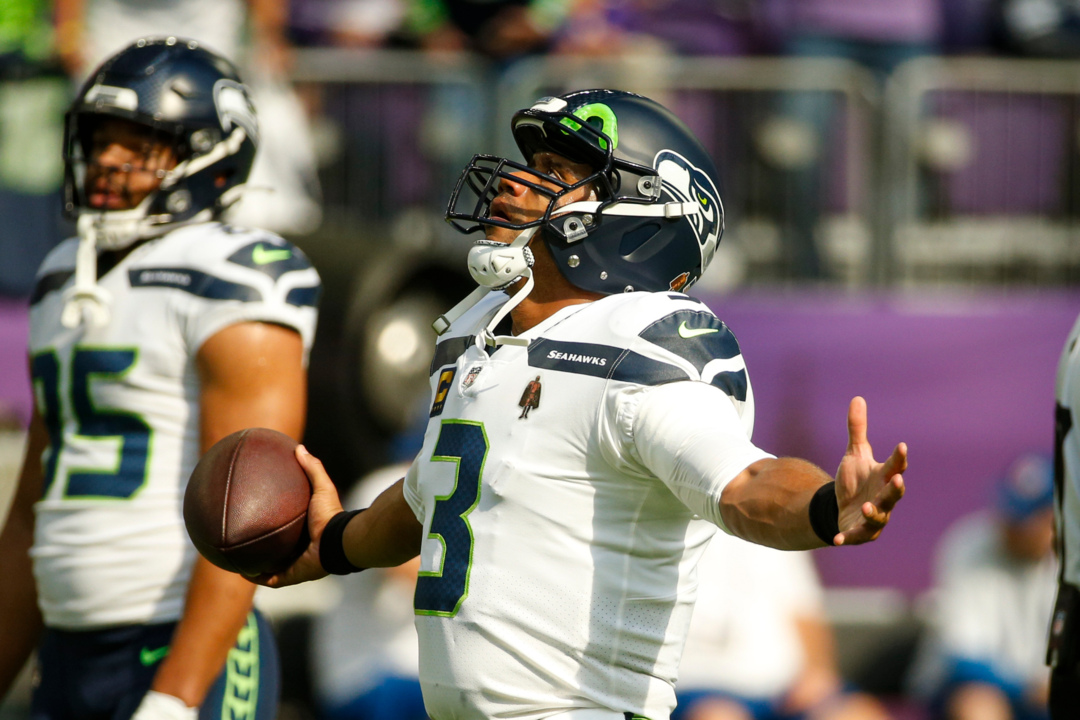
(557, 570)
(121, 405)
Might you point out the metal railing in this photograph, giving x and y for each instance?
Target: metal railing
(815, 159)
(981, 171)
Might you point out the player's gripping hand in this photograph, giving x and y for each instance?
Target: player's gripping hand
(324, 505)
(159, 706)
(866, 490)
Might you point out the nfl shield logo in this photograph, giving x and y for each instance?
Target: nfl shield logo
(470, 377)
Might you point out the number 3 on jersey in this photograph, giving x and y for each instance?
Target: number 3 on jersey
(441, 591)
(93, 422)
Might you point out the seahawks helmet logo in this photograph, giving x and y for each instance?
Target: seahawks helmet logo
(235, 108)
(682, 182)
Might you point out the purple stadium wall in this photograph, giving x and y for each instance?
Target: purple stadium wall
(966, 380)
(15, 398)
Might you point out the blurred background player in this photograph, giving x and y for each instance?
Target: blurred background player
(368, 662)
(982, 658)
(283, 189)
(759, 645)
(154, 333)
(1063, 653)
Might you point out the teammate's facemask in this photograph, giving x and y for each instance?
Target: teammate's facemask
(125, 163)
(188, 99)
(116, 166)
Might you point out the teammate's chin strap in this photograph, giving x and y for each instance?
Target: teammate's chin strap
(495, 266)
(86, 301)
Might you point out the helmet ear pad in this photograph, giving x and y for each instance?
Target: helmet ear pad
(633, 240)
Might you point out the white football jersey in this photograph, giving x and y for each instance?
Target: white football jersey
(112, 25)
(121, 403)
(744, 638)
(1067, 511)
(558, 571)
(988, 607)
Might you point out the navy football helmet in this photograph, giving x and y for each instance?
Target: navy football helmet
(658, 216)
(190, 99)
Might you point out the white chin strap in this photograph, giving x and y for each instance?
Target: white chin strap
(86, 301)
(668, 210)
(495, 266)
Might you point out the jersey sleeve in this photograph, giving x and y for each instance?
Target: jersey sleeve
(687, 434)
(262, 278)
(411, 490)
(55, 270)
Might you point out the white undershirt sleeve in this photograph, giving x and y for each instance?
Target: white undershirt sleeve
(689, 435)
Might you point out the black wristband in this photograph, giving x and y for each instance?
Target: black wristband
(332, 546)
(825, 513)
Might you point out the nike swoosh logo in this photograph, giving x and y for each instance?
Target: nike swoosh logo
(148, 657)
(685, 332)
(264, 256)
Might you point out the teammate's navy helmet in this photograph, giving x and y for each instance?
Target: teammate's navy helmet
(192, 100)
(658, 217)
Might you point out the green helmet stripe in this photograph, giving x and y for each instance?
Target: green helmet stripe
(597, 111)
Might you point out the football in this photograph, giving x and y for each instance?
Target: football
(246, 503)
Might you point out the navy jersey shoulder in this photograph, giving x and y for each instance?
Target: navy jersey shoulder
(645, 339)
(220, 262)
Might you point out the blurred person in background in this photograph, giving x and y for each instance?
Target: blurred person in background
(1039, 28)
(154, 333)
(759, 645)
(505, 31)
(368, 662)
(500, 29)
(982, 655)
(1063, 651)
(88, 31)
(682, 27)
(33, 96)
(283, 190)
(879, 35)
(363, 23)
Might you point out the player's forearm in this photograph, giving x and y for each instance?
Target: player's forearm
(216, 608)
(269, 18)
(69, 32)
(386, 535)
(269, 21)
(819, 680)
(20, 619)
(769, 503)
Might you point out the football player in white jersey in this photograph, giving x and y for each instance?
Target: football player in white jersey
(1063, 653)
(558, 547)
(154, 333)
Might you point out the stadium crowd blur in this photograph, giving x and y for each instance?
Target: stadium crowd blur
(46, 47)
(380, 152)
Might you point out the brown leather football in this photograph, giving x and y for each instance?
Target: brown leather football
(246, 503)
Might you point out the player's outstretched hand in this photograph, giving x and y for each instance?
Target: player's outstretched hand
(866, 490)
(324, 505)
